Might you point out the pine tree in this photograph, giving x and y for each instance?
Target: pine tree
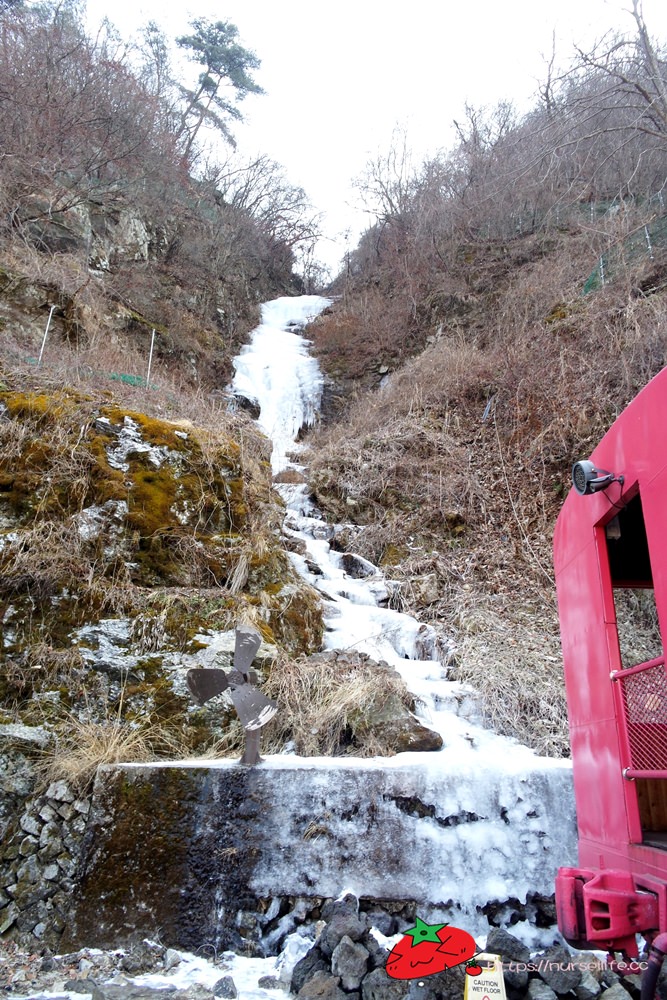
(225, 81)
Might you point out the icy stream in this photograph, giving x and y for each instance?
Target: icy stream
(277, 372)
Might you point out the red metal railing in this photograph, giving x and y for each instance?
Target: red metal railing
(641, 703)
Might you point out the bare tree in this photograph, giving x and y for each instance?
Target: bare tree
(260, 188)
(635, 72)
(387, 183)
(602, 126)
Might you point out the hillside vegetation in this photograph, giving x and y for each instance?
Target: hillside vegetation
(114, 210)
(137, 515)
(507, 304)
(138, 520)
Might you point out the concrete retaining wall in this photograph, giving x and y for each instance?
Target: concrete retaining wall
(184, 851)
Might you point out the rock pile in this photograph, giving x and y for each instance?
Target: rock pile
(348, 963)
(559, 972)
(37, 863)
(108, 975)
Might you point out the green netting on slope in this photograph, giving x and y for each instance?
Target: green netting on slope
(138, 381)
(593, 282)
(127, 379)
(531, 218)
(644, 243)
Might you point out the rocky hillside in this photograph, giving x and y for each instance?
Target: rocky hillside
(115, 212)
(138, 521)
(132, 265)
(451, 471)
(508, 302)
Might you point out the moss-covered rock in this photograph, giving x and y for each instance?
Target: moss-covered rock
(126, 542)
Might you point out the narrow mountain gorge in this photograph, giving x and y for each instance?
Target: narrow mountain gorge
(193, 436)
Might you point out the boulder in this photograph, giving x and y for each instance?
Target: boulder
(426, 589)
(448, 985)
(342, 925)
(226, 988)
(589, 987)
(538, 990)
(558, 970)
(313, 961)
(405, 732)
(617, 992)
(386, 719)
(377, 985)
(349, 960)
(322, 986)
(510, 948)
(356, 566)
(88, 986)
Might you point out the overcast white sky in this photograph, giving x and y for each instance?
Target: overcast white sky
(340, 76)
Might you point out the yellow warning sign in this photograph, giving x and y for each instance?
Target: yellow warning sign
(489, 984)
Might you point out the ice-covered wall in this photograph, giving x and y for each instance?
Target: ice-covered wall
(184, 849)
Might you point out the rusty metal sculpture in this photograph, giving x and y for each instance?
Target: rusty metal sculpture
(253, 708)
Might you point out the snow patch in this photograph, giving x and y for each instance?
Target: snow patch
(130, 442)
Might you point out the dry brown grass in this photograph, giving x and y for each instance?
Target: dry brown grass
(459, 465)
(327, 704)
(508, 648)
(81, 746)
(354, 341)
(45, 558)
(326, 708)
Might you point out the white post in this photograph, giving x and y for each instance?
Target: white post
(648, 242)
(46, 333)
(150, 360)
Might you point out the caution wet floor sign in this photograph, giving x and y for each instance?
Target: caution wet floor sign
(489, 984)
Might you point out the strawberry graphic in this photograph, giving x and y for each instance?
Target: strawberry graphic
(427, 949)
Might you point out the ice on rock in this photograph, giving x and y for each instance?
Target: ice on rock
(277, 371)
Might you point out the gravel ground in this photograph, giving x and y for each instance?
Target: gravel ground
(110, 975)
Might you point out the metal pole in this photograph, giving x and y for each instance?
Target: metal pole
(46, 333)
(150, 361)
(648, 242)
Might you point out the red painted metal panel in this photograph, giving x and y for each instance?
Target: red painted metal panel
(584, 638)
(599, 786)
(644, 862)
(620, 724)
